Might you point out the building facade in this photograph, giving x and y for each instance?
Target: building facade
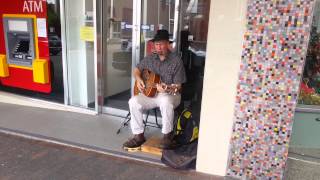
(256, 61)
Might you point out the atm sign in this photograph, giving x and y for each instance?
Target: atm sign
(32, 6)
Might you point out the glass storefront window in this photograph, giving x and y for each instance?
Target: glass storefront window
(55, 49)
(310, 85)
(118, 50)
(157, 14)
(195, 14)
(304, 149)
(80, 52)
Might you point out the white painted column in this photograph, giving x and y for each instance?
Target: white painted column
(224, 47)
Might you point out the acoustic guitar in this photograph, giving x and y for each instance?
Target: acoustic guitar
(151, 80)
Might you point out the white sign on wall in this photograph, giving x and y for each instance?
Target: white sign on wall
(42, 27)
(51, 1)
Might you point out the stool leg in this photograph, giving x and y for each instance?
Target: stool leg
(125, 122)
(155, 113)
(146, 121)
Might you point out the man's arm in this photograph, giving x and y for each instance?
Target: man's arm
(137, 76)
(179, 76)
(137, 73)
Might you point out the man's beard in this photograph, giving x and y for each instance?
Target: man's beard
(160, 53)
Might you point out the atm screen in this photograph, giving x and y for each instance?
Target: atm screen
(18, 25)
(23, 47)
(21, 50)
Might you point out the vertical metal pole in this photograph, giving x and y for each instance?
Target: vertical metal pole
(169, 22)
(64, 52)
(136, 33)
(158, 15)
(98, 50)
(176, 23)
(145, 11)
(111, 18)
(145, 21)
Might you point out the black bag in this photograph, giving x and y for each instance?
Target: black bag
(186, 128)
(183, 157)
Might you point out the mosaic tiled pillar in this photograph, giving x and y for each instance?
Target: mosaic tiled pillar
(272, 62)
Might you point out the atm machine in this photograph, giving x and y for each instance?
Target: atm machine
(19, 40)
(21, 65)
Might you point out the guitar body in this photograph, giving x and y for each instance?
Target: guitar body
(150, 79)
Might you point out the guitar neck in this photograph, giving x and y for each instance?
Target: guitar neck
(172, 89)
(165, 86)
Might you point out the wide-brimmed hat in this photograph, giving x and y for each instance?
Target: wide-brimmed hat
(161, 35)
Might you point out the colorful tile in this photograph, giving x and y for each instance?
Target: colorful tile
(272, 62)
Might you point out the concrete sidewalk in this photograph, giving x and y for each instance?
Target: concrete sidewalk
(22, 158)
(94, 132)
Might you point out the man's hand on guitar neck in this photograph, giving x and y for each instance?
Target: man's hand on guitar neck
(171, 89)
(161, 88)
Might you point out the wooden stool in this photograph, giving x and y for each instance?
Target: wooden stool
(152, 146)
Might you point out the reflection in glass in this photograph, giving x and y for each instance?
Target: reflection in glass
(304, 149)
(195, 14)
(55, 48)
(117, 64)
(310, 85)
(80, 53)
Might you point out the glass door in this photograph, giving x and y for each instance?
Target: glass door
(117, 58)
(155, 15)
(129, 25)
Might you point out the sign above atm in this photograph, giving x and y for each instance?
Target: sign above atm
(33, 6)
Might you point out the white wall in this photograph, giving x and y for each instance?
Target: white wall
(224, 48)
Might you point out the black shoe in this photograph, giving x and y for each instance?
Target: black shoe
(134, 144)
(167, 141)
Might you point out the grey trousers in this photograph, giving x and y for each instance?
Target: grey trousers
(166, 102)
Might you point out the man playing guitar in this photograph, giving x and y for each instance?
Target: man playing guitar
(169, 67)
